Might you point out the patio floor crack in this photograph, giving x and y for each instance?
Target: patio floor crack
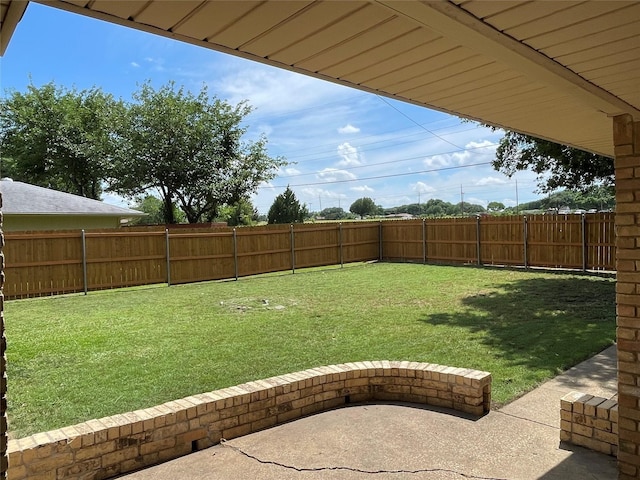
(225, 444)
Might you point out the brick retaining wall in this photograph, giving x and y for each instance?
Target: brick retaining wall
(591, 422)
(99, 449)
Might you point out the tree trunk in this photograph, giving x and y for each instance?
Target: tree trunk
(167, 211)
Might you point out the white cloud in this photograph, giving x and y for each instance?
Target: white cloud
(421, 187)
(157, 63)
(117, 200)
(288, 171)
(135, 64)
(267, 185)
(334, 175)
(475, 152)
(270, 90)
(321, 193)
(348, 128)
(320, 198)
(484, 144)
(476, 201)
(393, 201)
(363, 188)
(350, 155)
(437, 161)
(491, 181)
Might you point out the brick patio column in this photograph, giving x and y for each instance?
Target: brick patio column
(626, 135)
(3, 366)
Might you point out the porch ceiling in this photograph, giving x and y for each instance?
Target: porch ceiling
(555, 70)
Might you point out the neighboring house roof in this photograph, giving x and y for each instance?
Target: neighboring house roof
(20, 198)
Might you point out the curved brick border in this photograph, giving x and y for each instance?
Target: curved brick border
(103, 448)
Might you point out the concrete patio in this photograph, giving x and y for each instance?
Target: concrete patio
(391, 441)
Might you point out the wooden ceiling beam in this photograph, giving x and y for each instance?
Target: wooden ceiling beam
(452, 21)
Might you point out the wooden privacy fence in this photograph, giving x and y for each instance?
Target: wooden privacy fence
(52, 263)
(584, 242)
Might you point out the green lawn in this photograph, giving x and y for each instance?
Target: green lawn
(77, 357)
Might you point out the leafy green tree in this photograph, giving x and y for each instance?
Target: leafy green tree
(415, 209)
(154, 208)
(240, 213)
(190, 149)
(557, 166)
(466, 208)
(334, 213)
(412, 208)
(57, 138)
(495, 207)
(437, 208)
(287, 209)
(8, 169)
(597, 197)
(363, 207)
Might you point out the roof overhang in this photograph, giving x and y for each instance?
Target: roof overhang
(11, 12)
(557, 70)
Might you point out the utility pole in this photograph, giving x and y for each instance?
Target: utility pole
(461, 200)
(517, 203)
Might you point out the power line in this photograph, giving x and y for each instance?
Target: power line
(397, 160)
(418, 124)
(379, 176)
(332, 149)
(364, 150)
(421, 126)
(435, 194)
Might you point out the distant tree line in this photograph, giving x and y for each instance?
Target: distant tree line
(436, 208)
(592, 198)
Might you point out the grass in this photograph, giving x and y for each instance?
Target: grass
(77, 357)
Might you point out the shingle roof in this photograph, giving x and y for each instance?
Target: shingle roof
(25, 199)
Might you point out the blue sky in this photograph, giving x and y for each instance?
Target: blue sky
(342, 144)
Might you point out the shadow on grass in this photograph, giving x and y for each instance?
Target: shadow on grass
(540, 323)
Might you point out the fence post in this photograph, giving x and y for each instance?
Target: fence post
(293, 251)
(166, 238)
(380, 241)
(84, 262)
(584, 243)
(340, 241)
(235, 253)
(4, 437)
(526, 238)
(478, 238)
(424, 241)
